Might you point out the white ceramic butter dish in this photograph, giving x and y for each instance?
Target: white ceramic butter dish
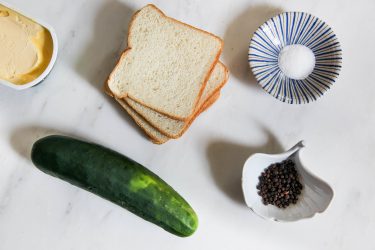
(46, 69)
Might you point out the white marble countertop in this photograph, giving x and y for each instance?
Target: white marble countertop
(40, 212)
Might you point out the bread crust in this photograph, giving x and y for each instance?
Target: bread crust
(203, 85)
(186, 126)
(154, 139)
(136, 119)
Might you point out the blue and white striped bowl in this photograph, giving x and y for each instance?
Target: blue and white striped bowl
(292, 28)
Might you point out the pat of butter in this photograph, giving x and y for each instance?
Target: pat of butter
(25, 47)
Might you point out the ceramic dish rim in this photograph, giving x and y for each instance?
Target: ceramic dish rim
(42, 76)
(282, 98)
(286, 154)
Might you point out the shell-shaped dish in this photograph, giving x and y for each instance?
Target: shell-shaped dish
(295, 28)
(315, 197)
(52, 61)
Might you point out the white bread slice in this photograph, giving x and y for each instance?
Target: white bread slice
(210, 95)
(166, 65)
(175, 128)
(154, 134)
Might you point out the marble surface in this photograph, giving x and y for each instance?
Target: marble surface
(41, 212)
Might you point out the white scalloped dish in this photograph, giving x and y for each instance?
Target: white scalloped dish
(315, 197)
(29, 48)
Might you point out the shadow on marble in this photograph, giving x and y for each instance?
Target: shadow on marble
(102, 53)
(237, 38)
(23, 138)
(108, 41)
(126, 117)
(227, 158)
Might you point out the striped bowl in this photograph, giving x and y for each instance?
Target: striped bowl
(292, 28)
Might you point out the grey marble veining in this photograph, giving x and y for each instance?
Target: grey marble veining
(42, 213)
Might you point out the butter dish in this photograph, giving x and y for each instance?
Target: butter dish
(28, 46)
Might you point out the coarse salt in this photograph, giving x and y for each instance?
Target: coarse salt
(296, 61)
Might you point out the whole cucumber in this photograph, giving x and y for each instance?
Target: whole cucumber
(116, 178)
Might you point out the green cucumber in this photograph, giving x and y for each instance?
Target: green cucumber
(116, 178)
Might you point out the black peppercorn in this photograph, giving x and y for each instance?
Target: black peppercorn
(279, 184)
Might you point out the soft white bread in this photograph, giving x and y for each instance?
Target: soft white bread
(154, 134)
(166, 65)
(175, 128)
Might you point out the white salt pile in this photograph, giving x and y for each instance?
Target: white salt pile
(296, 61)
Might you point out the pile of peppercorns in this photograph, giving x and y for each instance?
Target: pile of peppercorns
(279, 184)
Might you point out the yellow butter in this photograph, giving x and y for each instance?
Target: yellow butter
(25, 47)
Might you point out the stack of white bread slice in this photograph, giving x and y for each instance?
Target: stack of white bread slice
(168, 75)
